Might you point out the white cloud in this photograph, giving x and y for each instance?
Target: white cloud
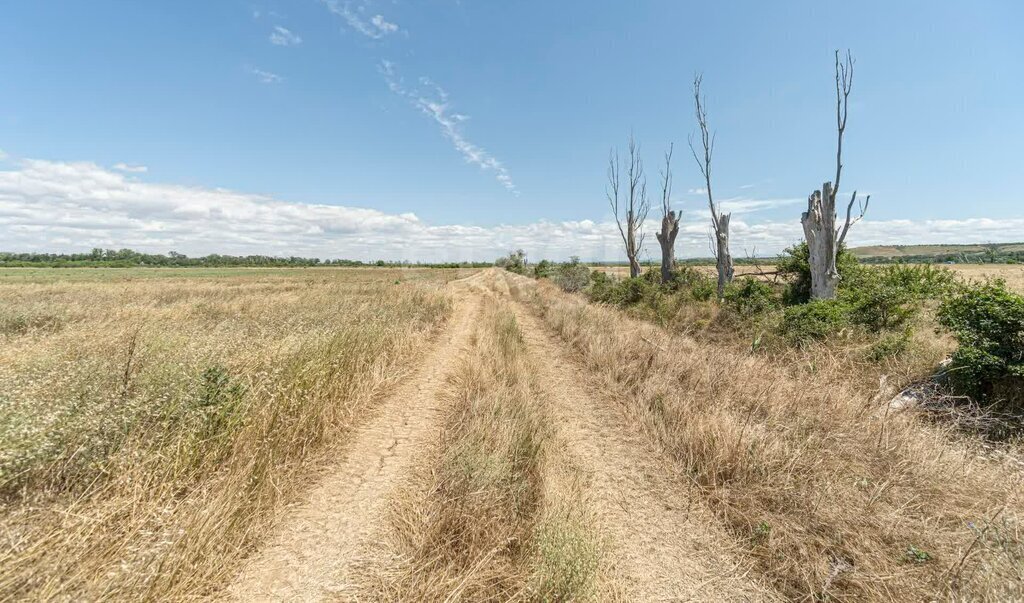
(265, 77)
(59, 206)
(382, 25)
(375, 27)
(281, 36)
(741, 205)
(435, 105)
(131, 169)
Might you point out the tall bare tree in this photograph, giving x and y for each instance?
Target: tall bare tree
(669, 221)
(719, 220)
(824, 239)
(636, 203)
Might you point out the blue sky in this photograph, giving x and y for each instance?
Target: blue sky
(449, 129)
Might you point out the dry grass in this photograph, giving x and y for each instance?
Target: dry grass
(150, 428)
(488, 524)
(1013, 274)
(836, 497)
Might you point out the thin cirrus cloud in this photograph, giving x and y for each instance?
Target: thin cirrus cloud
(281, 36)
(131, 169)
(434, 103)
(375, 26)
(51, 206)
(265, 77)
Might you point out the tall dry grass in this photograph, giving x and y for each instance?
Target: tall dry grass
(836, 497)
(150, 429)
(488, 524)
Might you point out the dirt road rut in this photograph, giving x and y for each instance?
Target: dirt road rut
(316, 548)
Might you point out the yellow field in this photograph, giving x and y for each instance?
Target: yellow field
(390, 434)
(152, 422)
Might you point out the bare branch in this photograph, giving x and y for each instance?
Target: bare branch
(844, 84)
(707, 140)
(612, 190)
(666, 183)
(846, 225)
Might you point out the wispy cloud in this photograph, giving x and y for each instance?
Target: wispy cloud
(382, 25)
(375, 26)
(742, 205)
(281, 36)
(435, 104)
(75, 206)
(131, 169)
(265, 77)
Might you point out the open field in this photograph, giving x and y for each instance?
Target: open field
(898, 251)
(373, 434)
(153, 423)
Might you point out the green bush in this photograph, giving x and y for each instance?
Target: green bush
(622, 292)
(571, 276)
(890, 345)
(703, 289)
(751, 297)
(888, 297)
(515, 261)
(542, 269)
(988, 322)
(814, 320)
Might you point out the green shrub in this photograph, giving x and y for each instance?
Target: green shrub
(622, 292)
(571, 276)
(703, 289)
(601, 285)
(515, 261)
(890, 345)
(988, 322)
(542, 269)
(751, 297)
(814, 320)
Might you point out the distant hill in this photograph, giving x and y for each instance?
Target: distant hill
(980, 253)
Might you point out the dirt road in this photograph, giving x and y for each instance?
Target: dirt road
(318, 545)
(662, 543)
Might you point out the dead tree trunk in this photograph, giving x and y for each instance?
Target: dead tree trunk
(637, 204)
(824, 240)
(723, 259)
(669, 222)
(719, 220)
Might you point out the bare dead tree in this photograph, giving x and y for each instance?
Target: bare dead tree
(824, 239)
(669, 221)
(636, 203)
(719, 220)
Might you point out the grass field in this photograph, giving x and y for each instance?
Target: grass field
(153, 422)
(379, 434)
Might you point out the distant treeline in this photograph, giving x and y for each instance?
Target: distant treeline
(128, 258)
(980, 257)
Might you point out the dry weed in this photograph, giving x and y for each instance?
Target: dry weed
(151, 429)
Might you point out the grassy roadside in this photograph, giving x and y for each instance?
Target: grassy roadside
(836, 499)
(149, 433)
(492, 522)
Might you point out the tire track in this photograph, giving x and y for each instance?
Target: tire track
(317, 548)
(663, 543)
